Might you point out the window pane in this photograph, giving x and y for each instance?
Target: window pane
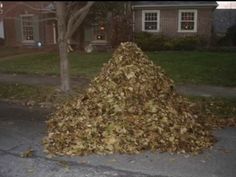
(150, 16)
(187, 16)
(150, 26)
(187, 25)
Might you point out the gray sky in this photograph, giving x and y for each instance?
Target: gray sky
(226, 4)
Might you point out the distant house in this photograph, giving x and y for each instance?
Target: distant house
(25, 26)
(223, 19)
(24, 23)
(174, 18)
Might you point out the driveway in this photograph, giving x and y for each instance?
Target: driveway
(22, 128)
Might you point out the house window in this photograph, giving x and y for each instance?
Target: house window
(187, 21)
(150, 20)
(27, 27)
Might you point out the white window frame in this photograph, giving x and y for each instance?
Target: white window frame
(22, 31)
(195, 21)
(158, 20)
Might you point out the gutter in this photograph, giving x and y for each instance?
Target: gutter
(177, 5)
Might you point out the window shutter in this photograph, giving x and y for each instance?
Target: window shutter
(18, 29)
(36, 27)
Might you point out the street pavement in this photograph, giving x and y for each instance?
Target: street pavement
(22, 128)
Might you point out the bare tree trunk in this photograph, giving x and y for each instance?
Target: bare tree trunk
(64, 66)
(65, 32)
(64, 63)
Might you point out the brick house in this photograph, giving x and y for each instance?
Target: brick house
(25, 25)
(174, 18)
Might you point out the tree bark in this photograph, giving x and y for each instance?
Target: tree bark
(64, 63)
(65, 31)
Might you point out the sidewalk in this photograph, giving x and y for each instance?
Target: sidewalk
(10, 57)
(186, 89)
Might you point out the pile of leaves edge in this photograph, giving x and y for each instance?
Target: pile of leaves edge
(131, 106)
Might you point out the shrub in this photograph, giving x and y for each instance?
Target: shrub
(229, 39)
(160, 42)
(187, 43)
(169, 45)
(231, 34)
(152, 42)
(143, 40)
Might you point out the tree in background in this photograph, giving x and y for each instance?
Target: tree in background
(118, 17)
(71, 16)
(121, 26)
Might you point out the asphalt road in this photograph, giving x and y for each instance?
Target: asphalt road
(22, 128)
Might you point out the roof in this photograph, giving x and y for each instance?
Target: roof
(174, 3)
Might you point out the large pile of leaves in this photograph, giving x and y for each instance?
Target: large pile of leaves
(129, 107)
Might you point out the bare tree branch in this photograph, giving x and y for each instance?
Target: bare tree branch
(77, 24)
(74, 17)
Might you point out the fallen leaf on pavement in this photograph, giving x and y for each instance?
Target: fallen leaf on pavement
(28, 153)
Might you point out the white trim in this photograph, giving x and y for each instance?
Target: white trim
(26, 15)
(158, 20)
(177, 5)
(28, 41)
(195, 21)
(54, 33)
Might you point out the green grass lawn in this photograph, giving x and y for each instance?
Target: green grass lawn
(214, 68)
(220, 107)
(26, 92)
